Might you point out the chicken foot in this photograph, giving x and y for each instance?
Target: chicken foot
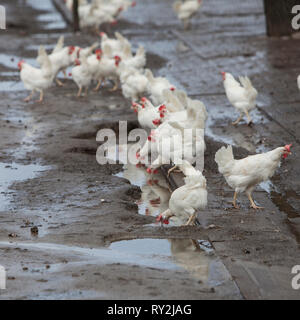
(237, 120)
(116, 86)
(248, 117)
(99, 83)
(253, 205)
(41, 97)
(27, 99)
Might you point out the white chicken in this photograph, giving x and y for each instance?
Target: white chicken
(244, 174)
(177, 140)
(148, 115)
(35, 79)
(157, 86)
(90, 14)
(107, 70)
(134, 83)
(186, 200)
(82, 75)
(241, 96)
(185, 10)
(112, 47)
(80, 52)
(60, 60)
(138, 61)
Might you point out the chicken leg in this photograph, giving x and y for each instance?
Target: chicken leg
(248, 117)
(191, 219)
(65, 73)
(59, 83)
(253, 205)
(79, 92)
(41, 97)
(98, 85)
(115, 87)
(234, 200)
(237, 120)
(85, 92)
(27, 99)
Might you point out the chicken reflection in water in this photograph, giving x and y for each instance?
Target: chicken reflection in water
(197, 257)
(155, 194)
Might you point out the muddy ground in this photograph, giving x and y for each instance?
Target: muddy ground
(83, 210)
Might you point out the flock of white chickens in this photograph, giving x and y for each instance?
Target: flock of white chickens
(168, 112)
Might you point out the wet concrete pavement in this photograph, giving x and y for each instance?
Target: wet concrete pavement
(80, 207)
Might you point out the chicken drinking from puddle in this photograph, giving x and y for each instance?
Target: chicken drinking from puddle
(244, 174)
(241, 95)
(186, 200)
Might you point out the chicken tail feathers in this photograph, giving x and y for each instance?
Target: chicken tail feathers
(60, 44)
(247, 84)
(149, 75)
(45, 62)
(223, 157)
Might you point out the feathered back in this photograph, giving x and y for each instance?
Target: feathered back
(198, 108)
(172, 102)
(223, 157)
(107, 51)
(127, 52)
(196, 181)
(182, 96)
(229, 80)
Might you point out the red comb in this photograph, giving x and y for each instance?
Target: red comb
(288, 147)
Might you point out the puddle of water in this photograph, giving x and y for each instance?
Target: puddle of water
(155, 193)
(218, 121)
(11, 86)
(10, 173)
(10, 74)
(11, 61)
(179, 254)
